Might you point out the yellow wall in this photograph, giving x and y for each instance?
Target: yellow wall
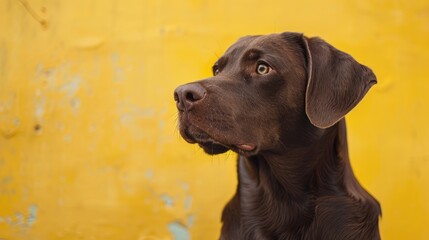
(89, 147)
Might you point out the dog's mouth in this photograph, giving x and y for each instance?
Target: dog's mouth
(212, 146)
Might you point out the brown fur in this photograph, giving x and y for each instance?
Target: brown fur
(294, 175)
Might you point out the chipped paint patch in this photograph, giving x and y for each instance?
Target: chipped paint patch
(190, 220)
(118, 72)
(32, 216)
(148, 174)
(168, 201)
(39, 110)
(20, 220)
(188, 202)
(179, 231)
(72, 87)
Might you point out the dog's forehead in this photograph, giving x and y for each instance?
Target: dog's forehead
(264, 43)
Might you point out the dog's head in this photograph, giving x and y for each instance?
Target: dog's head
(268, 91)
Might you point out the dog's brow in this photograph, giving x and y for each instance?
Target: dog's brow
(221, 62)
(252, 54)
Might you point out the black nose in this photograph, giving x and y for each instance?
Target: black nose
(188, 95)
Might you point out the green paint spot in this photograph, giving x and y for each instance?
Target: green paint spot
(179, 231)
(32, 216)
(188, 202)
(191, 220)
(168, 201)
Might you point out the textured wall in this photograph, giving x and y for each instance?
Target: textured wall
(88, 142)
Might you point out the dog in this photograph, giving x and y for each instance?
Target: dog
(279, 101)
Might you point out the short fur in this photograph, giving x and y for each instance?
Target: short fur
(294, 175)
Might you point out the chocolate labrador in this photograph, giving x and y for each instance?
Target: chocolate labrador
(279, 101)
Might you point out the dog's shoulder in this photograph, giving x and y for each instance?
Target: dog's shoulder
(343, 217)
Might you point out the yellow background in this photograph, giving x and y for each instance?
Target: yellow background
(89, 147)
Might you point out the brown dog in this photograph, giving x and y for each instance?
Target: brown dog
(279, 101)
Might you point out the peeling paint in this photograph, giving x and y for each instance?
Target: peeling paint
(46, 76)
(72, 87)
(20, 220)
(148, 174)
(168, 201)
(40, 108)
(179, 231)
(188, 202)
(32, 216)
(118, 72)
(190, 220)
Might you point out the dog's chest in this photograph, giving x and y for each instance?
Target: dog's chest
(265, 213)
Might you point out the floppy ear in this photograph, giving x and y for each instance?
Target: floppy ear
(336, 83)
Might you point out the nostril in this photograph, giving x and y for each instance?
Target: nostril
(187, 95)
(191, 97)
(194, 93)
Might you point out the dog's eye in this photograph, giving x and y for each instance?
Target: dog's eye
(263, 68)
(215, 70)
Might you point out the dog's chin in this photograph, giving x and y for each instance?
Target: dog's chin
(210, 146)
(213, 148)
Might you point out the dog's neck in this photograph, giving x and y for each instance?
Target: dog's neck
(296, 168)
(290, 180)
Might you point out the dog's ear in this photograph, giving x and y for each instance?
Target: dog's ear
(336, 83)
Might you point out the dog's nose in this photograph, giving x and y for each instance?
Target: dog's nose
(187, 95)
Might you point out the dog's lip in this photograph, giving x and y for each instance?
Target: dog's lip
(246, 147)
(211, 147)
(241, 148)
(238, 147)
(208, 139)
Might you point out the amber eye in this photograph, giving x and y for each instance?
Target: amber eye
(263, 68)
(215, 69)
